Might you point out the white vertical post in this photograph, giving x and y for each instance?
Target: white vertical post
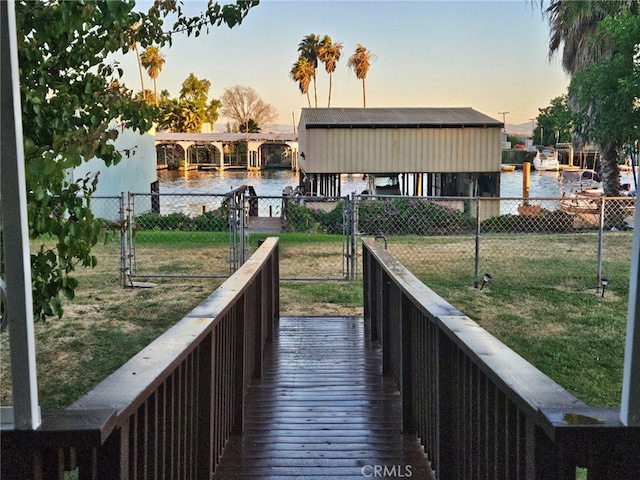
(630, 405)
(19, 309)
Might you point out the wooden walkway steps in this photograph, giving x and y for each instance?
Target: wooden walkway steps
(265, 225)
(323, 411)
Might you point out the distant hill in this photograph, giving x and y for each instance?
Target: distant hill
(270, 128)
(520, 129)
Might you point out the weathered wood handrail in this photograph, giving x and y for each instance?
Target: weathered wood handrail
(168, 412)
(480, 410)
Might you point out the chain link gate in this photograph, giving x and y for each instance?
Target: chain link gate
(201, 235)
(322, 246)
(193, 235)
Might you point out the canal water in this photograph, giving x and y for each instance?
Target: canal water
(268, 183)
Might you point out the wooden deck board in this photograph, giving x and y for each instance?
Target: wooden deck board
(322, 410)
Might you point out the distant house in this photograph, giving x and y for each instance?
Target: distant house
(432, 151)
(136, 172)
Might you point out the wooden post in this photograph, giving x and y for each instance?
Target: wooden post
(526, 182)
(630, 405)
(19, 308)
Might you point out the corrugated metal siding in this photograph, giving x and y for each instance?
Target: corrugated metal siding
(385, 150)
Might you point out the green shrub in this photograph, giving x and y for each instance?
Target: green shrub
(411, 216)
(213, 221)
(304, 219)
(546, 221)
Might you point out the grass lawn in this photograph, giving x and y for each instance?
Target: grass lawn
(543, 306)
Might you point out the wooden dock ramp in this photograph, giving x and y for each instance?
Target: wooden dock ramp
(323, 411)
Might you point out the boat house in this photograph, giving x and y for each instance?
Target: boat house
(218, 151)
(432, 151)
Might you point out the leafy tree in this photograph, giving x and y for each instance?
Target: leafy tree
(360, 62)
(553, 123)
(302, 72)
(513, 139)
(308, 49)
(145, 96)
(611, 89)
(250, 127)
(195, 90)
(71, 98)
(329, 53)
(189, 112)
(575, 26)
(152, 59)
(243, 104)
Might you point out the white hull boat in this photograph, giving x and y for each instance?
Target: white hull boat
(546, 160)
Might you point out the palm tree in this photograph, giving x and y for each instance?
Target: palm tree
(329, 53)
(152, 59)
(302, 72)
(360, 62)
(573, 26)
(308, 48)
(134, 47)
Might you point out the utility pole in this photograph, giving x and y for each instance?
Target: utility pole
(504, 121)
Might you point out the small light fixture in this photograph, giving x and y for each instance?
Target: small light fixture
(485, 280)
(604, 281)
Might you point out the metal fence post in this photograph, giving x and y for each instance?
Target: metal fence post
(124, 231)
(243, 212)
(476, 275)
(600, 240)
(354, 229)
(130, 215)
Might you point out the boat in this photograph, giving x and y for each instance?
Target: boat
(584, 201)
(546, 160)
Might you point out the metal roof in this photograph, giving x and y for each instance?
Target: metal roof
(225, 137)
(396, 118)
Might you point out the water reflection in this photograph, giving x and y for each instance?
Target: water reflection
(273, 182)
(267, 183)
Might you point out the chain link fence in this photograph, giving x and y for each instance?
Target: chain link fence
(180, 235)
(320, 234)
(462, 239)
(574, 241)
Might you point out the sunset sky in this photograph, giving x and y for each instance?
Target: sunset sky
(488, 55)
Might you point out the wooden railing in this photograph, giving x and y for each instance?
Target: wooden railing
(479, 409)
(168, 412)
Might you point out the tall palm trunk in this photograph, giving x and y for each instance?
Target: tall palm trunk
(155, 90)
(330, 88)
(609, 169)
(135, 49)
(315, 89)
(364, 92)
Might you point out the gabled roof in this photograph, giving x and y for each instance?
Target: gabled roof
(396, 118)
(225, 137)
